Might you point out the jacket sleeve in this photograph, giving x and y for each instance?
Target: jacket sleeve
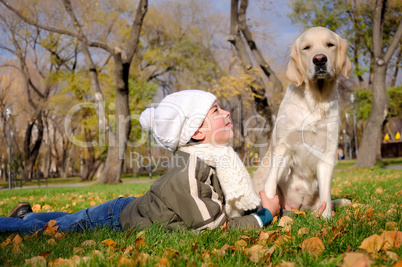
(198, 206)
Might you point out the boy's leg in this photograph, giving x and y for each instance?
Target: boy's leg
(9, 224)
(106, 214)
(45, 216)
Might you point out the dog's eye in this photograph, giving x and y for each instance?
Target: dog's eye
(330, 45)
(307, 47)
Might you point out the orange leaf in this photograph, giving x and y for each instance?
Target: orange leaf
(139, 242)
(109, 242)
(36, 208)
(123, 261)
(17, 240)
(303, 231)
(285, 220)
(355, 259)
(313, 246)
(369, 213)
(391, 239)
(256, 252)
(398, 264)
(163, 262)
(60, 262)
(372, 243)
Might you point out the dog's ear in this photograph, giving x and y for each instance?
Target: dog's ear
(293, 72)
(343, 61)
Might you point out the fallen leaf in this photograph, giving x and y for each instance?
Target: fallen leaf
(302, 231)
(391, 239)
(240, 244)
(45, 254)
(75, 260)
(313, 246)
(372, 243)
(285, 220)
(163, 262)
(391, 225)
(46, 207)
(109, 242)
(50, 228)
(222, 251)
(140, 242)
(379, 190)
(355, 260)
(51, 241)
(123, 261)
(398, 264)
(298, 212)
(78, 250)
(59, 262)
(17, 240)
(267, 237)
(256, 253)
(282, 239)
(89, 243)
(369, 213)
(392, 255)
(285, 264)
(140, 234)
(37, 261)
(36, 208)
(225, 226)
(92, 203)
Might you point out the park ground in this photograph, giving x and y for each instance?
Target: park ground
(368, 232)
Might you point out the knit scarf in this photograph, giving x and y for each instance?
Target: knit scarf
(233, 176)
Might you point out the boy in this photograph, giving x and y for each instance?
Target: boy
(206, 185)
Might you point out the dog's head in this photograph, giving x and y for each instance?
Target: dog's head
(318, 53)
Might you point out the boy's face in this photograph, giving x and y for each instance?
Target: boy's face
(216, 128)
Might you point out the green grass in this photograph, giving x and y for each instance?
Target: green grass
(376, 188)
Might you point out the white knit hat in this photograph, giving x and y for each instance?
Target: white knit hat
(177, 117)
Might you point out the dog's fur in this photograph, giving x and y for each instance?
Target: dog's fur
(300, 160)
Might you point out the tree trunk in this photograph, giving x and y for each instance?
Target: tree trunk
(260, 100)
(31, 151)
(371, 139)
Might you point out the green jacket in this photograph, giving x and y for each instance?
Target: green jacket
(188, 196)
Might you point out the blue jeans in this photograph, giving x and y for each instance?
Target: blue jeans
(106, 214)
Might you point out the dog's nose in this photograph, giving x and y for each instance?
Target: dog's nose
(319, 59)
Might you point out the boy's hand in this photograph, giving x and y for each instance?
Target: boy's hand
(272, 204)
(321, 209)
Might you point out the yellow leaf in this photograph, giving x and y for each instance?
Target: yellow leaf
(392, 255)
(37, 261)
(92, 203)
(313, 246)
(36, 208)
(303, 231)
(372, 243)
(285, 220)
(391, 225)
(355, 259)
(123, 261)
(78, 250)
(255, 253)
(109, 242)
(240, 244)
(46, 207)
(89, 243)
(391, 239)
(163, 262)
(60, 262)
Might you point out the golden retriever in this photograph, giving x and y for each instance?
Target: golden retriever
(300, 160)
